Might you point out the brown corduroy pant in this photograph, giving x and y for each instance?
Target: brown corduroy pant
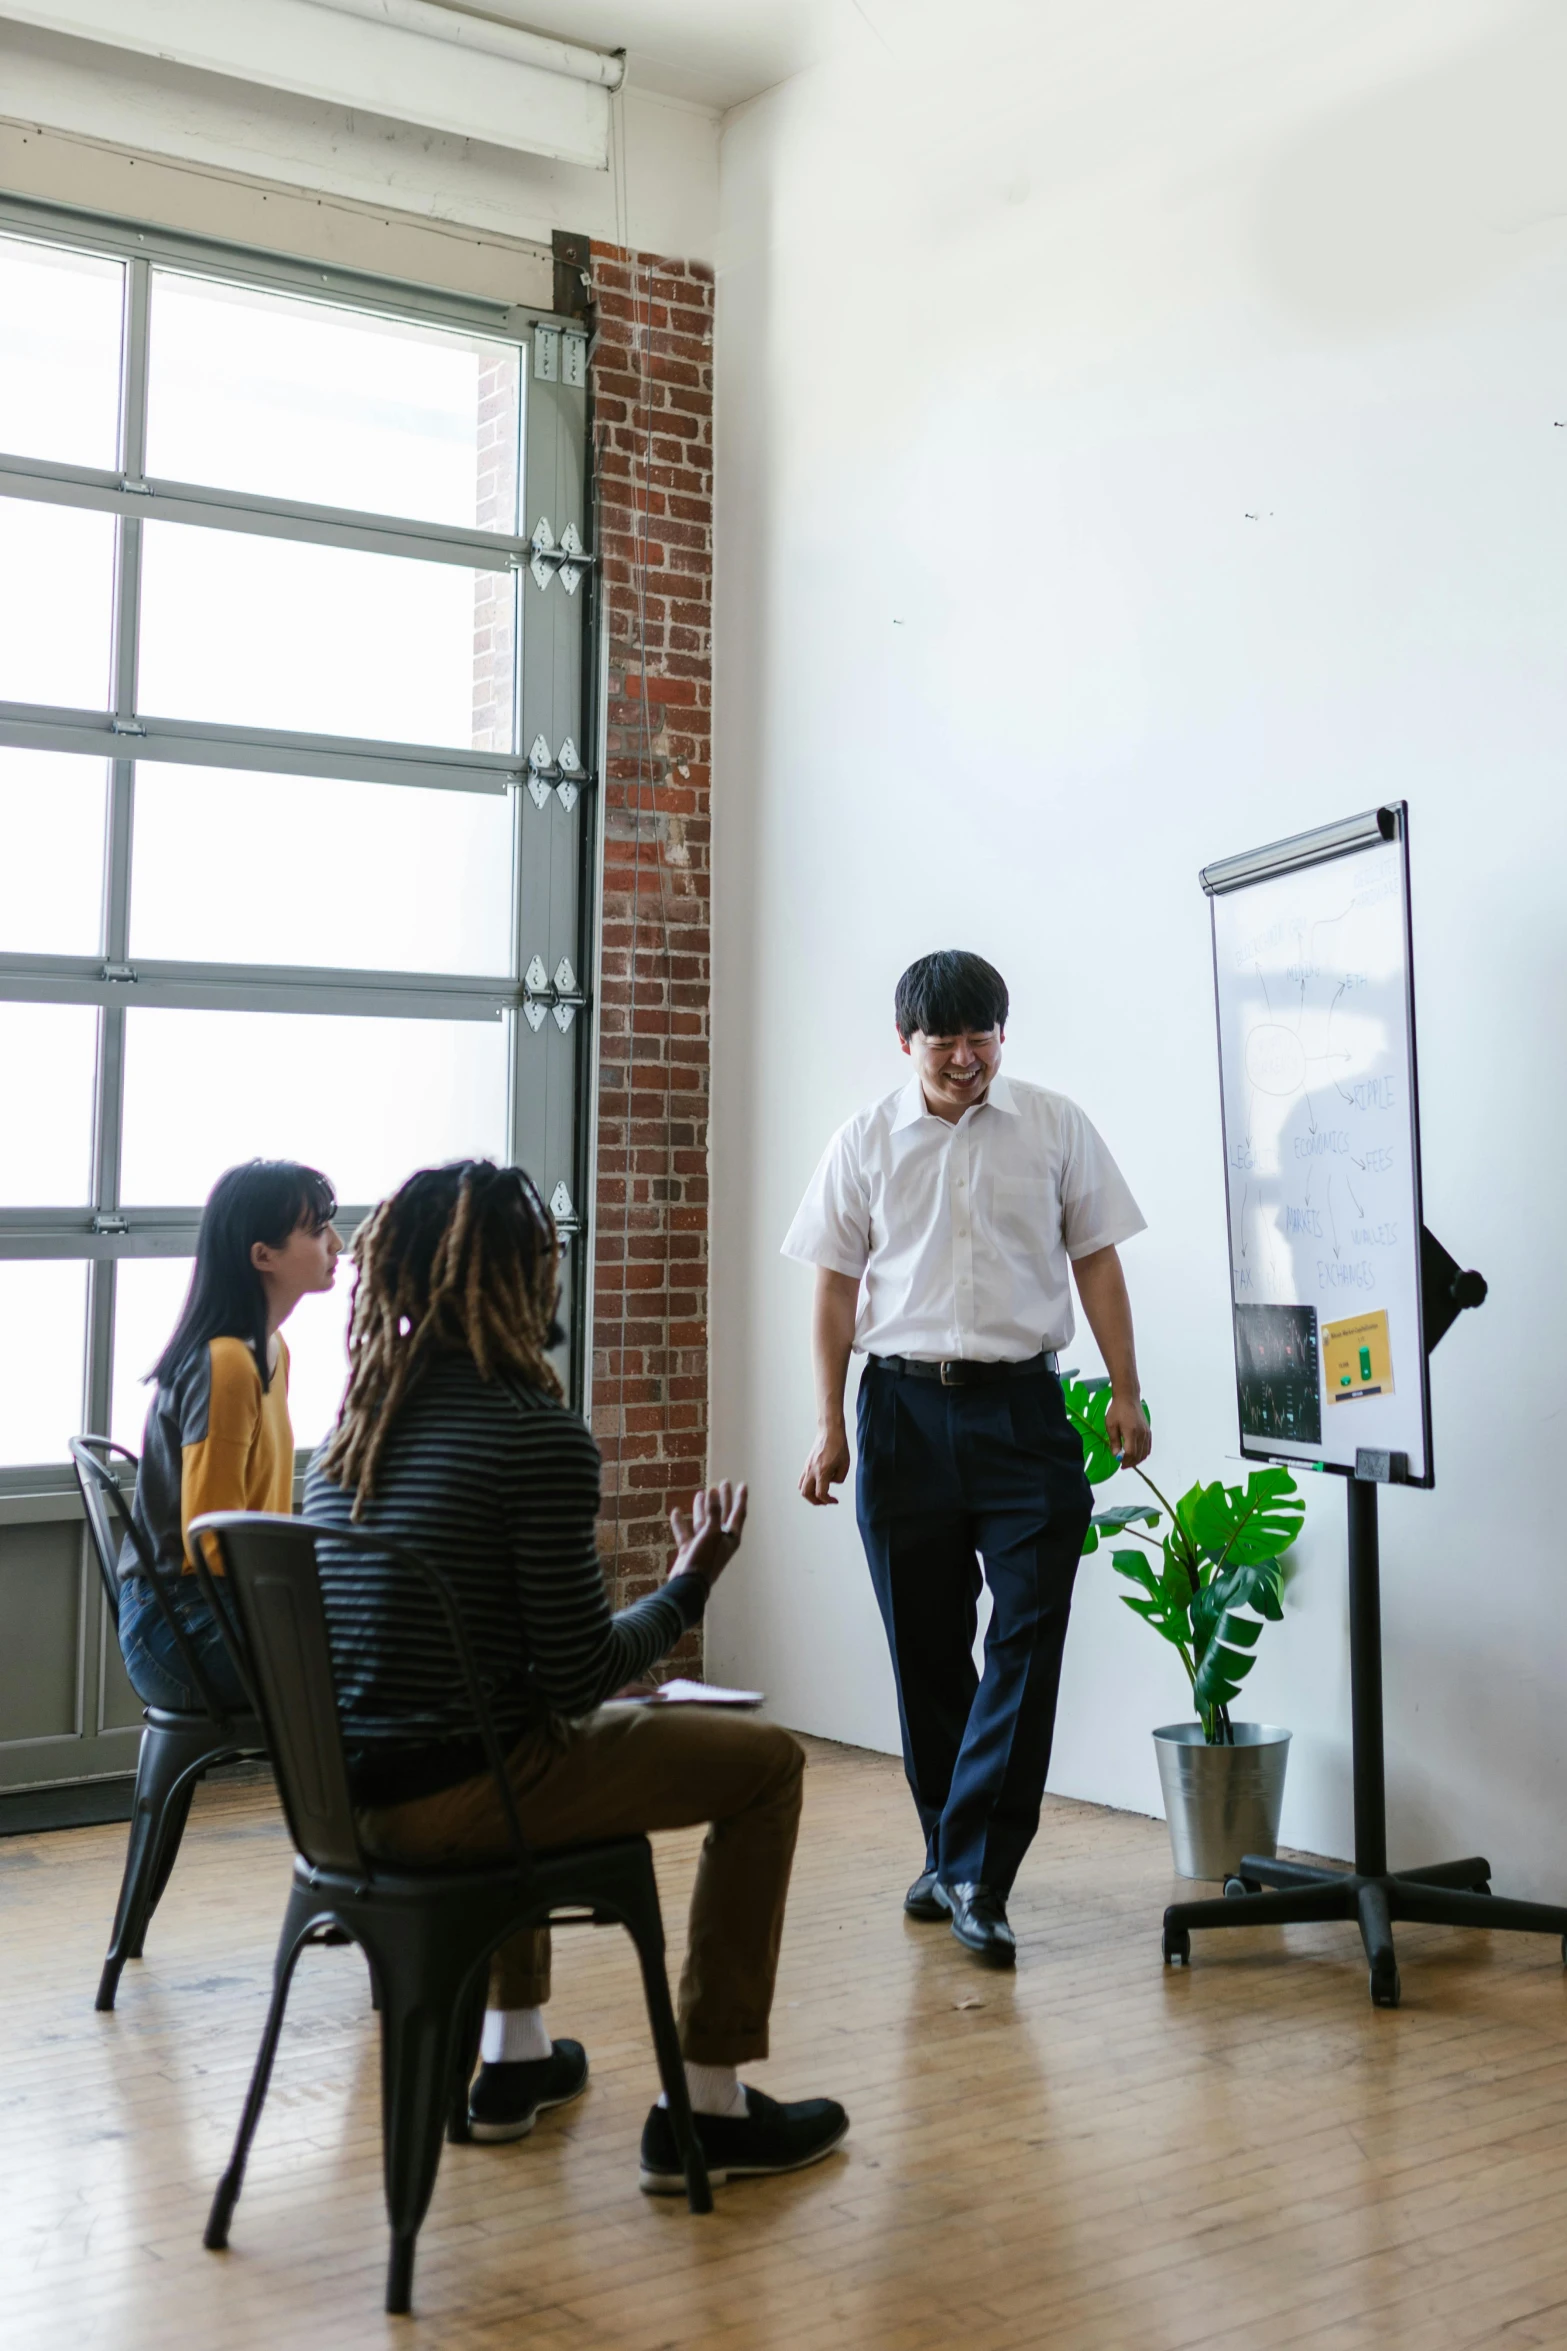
(621, 1772)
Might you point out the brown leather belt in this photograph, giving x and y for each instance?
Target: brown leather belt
(960, 1372)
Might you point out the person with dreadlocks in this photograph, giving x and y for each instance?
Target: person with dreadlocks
(453, 1440)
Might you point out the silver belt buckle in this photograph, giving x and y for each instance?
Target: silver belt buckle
(947, 1369)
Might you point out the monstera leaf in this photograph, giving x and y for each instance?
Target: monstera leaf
(1087, 1402)
(1111, 1522)
(1247, 1524)
(1216, 1574)
(1247, 1586)
(1165, 1600)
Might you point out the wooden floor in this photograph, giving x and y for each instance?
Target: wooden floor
(1096, 2152)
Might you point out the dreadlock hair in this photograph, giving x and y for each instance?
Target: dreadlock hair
(460, 1260)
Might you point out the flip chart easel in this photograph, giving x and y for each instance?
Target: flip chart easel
(1337, 1303)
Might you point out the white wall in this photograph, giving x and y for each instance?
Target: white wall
(1139, 439)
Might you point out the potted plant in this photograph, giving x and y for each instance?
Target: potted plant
(1207, 1584)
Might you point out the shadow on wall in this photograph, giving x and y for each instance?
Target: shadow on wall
(1424, 194)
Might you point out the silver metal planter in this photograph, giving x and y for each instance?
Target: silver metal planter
(1221, 1802)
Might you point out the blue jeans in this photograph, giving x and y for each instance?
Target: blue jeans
(947, 1477)
(158, 1672)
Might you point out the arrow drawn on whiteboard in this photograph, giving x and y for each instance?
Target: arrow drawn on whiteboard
(1349, 1187)
(1311, 1116)
(1245, 1196)
(1332, 1219)
(1329, 1056)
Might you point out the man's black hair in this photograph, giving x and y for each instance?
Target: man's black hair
(949, 992)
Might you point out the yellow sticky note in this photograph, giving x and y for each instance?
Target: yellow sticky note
(1357, 1359)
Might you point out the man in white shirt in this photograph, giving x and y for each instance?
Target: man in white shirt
(941, 1223)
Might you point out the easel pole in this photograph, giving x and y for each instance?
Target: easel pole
(1365, 1680)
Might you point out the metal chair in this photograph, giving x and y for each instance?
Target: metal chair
(176, 1749)
(427, 1933)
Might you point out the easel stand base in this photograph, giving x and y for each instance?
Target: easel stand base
(1266, 1892)
(1449, 1894)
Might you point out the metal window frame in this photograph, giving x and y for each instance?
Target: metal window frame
(101, 1230)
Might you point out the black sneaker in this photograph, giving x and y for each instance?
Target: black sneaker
(506, 2100)
(766, 2138)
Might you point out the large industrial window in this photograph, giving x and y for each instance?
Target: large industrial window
(295, 825)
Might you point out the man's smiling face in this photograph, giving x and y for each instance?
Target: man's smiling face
(955, 1072)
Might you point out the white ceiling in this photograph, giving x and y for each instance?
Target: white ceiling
(713, 53)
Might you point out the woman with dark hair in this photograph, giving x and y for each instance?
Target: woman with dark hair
(453, 1439)
(218, 1434)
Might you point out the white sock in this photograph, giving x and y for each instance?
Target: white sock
(514, 2036)
(715, 2089)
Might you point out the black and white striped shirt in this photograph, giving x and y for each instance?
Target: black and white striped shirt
(498, 1487)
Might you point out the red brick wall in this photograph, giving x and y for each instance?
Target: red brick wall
(652, 384)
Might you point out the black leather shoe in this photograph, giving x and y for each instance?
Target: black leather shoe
(768, 2137)
(979, 1920)
(921, 1900)
(506, 2100)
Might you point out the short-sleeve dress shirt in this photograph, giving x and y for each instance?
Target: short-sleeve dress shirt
(962, 1233)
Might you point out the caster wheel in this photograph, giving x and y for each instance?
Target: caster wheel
(1385, 1987)
(1235, 1887)
(1178, 1947)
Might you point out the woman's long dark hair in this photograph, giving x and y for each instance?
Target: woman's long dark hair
(265, 1200)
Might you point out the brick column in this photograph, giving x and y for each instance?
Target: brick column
(652, 382)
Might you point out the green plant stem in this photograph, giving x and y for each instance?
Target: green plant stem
(1182, 1540)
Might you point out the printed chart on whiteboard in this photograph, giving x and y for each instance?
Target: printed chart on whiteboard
(1321, 1140)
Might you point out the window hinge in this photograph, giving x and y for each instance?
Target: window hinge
(126, 726)
(123, 974)
(541, 994)
(108, 1220)
(133, 485)
(570, 559)
(565, 775)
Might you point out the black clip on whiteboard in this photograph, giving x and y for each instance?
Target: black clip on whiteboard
(1339, 1294)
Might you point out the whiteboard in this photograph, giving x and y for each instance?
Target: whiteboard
(1314, 993)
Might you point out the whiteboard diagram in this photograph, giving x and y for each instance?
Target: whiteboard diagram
(1311, 944)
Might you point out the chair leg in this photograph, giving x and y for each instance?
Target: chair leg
(646, 1927)
(176, 1817)
(227, 2196)
(424, 2027)
(164, 1758)
(470, 2035)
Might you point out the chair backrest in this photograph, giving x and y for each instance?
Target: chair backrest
(111, 1527)
(273, 1575)
(270, 1566)
(109, 1523)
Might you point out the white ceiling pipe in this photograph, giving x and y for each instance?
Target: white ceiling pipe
(360, 57)
(491, 39)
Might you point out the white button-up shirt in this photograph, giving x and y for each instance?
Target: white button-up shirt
(962, 1233)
